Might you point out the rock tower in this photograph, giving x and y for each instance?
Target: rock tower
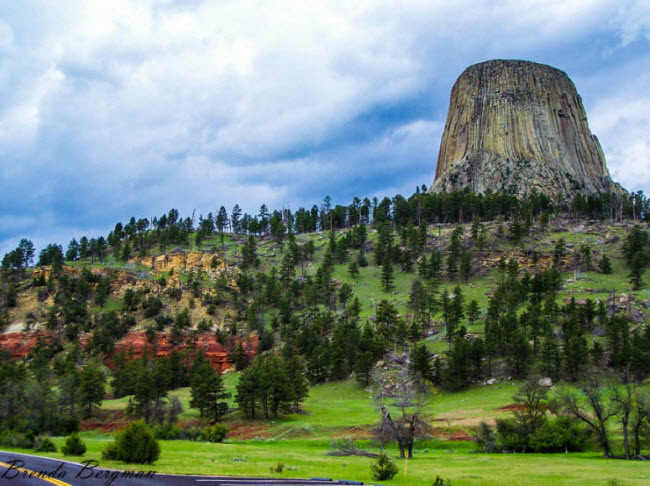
(518, 127)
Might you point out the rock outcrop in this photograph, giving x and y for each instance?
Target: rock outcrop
(518, 127)
(179, 260)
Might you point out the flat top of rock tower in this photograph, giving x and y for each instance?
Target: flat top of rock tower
(495, 66)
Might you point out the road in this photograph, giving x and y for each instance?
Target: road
(27, 470)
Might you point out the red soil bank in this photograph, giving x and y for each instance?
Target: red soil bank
(19, 345)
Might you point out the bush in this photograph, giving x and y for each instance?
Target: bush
(510, 437)
(73, 446)
(110, 452)
(16, 440)
(66, 425)
(485, 438)
(441, 482)
(559, 435)
(44, 444)
(278, 468)
(136, 444)
(168, 432)
(193, 433)
(215, 433)
(383, 469)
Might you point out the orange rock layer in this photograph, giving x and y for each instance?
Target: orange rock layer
(19, 345)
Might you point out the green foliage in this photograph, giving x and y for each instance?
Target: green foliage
(383, 469)
(558, 435)
(208, 392)
(73, 446)
(215, 433)
(11, 439)
(439, 481)
(485, 437)
(92, 383)
(637, 252)
(136, 444)
(167, 432)
(271, 384)
(44, 444)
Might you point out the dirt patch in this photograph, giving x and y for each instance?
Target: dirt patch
(451, 434)
(105, 420)
(512, 407)
(353, 433)
(459, 435)
(238, 430)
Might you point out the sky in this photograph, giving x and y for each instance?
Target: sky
(112, 109)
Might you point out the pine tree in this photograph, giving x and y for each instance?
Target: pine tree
(387, 274)
(353, 270)
(466, 265)
(298, 385)
(473, 312)
(421, 366)
(92, 382)
(207, 389)
(364, 368)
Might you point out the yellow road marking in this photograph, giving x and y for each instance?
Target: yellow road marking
(36, 475)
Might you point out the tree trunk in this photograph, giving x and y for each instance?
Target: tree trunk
(626, 442)
(604, 443)
(637, 441)
(389, 420)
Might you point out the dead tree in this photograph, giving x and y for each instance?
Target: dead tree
(597, 412)
(403, 420)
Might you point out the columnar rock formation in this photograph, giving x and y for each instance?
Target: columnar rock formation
(519, 127)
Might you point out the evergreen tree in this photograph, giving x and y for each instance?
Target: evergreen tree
(207, 389)
(92, 383)
(298, 385)
(465, 265)
(473, 312)
(519, 354)
(364, 368)
(353, 270)
(387, 274)
(421, 365)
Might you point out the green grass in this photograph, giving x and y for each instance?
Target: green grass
(307, 458)
(343, 408)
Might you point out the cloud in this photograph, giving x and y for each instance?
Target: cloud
(625, 124)
(112, 109)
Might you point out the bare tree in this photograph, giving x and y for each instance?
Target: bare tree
(633, 412)
(640, 419)
(403, 420)
(624, 398)
(597, 412)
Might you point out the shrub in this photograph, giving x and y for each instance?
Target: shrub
(168, 432)
(73, 446)
(559, 435)
(16, 440)
(510, 436)
(44, 444)
(110, 452)
(485, 438)
(193, 433)
(215, 433)
(441, 482)
(278, 468)
(136, 445)
(66, 425)
(383, 469)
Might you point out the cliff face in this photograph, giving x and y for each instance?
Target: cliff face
(183, 261)
(516, 127)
